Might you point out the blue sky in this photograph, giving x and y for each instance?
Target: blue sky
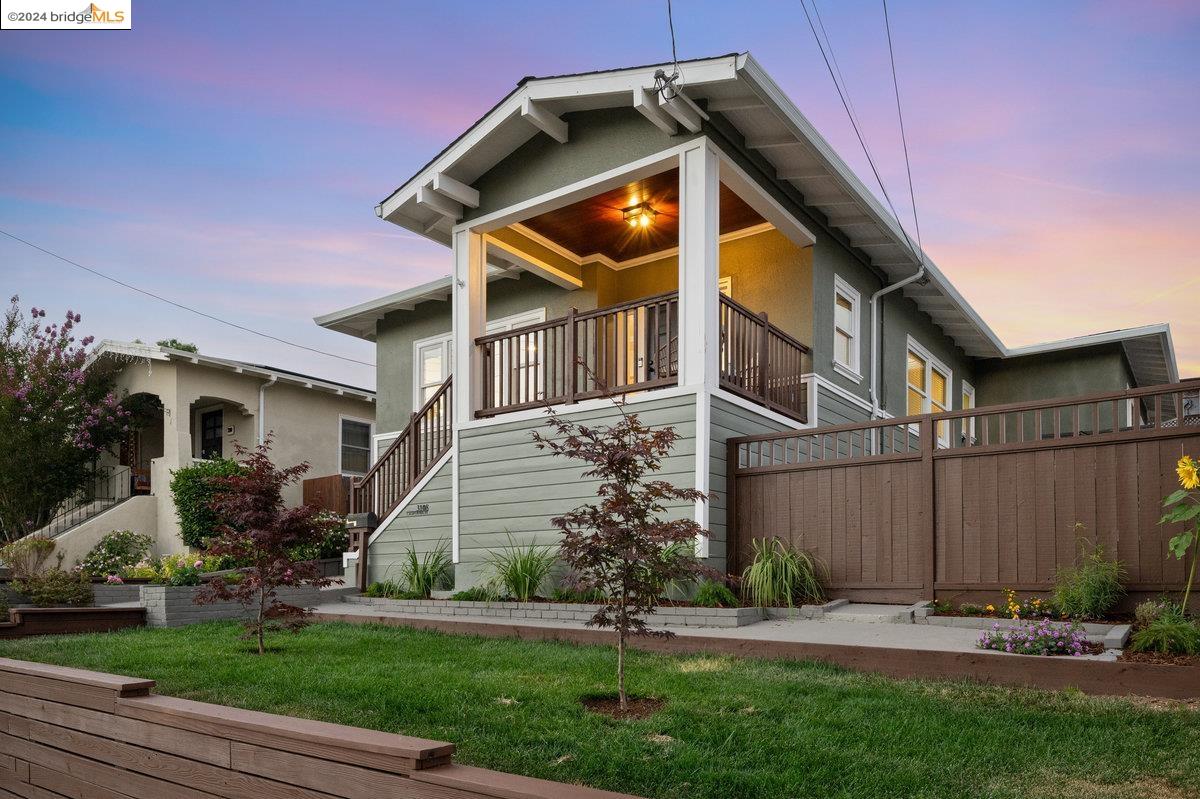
(232, 159)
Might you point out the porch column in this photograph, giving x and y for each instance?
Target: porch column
(699, 268)
(699, 315)
(469, 306)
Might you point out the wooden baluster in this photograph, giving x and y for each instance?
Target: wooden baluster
(764, 355)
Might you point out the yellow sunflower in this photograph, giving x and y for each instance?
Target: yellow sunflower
(1189, 472)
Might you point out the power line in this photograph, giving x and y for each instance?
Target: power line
(181, 306)
(912, 195)
(854, 124)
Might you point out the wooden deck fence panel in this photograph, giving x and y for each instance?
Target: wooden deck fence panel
(894, 515)
(331, 493)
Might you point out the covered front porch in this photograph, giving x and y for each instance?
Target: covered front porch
(679, 271)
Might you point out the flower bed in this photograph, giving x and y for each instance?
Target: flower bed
(1037, 638)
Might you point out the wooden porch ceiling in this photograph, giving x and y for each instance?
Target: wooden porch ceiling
(597, 225)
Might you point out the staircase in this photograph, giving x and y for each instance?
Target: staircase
(427, 437)
(107, 491)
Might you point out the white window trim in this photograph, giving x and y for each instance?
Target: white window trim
(342, 417)
(968, 390)
(725, 286)
(531, 317)
(931, 362)
(380, 442)
(853, 370)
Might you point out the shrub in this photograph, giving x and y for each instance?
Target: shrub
(780, 575)
(116, 553)
(1149, 611)
(56, 588)
(423, 573)
(522, 570)
(1169, 634)
(25, 557)
(1091, 587)
(1035, 638)
(712, 594)
(332, 545)
(390, 589)
(478, 593)
(971, 609)
(194, 488)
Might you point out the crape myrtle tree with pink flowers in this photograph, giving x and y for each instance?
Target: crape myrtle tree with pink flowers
(56, 418)
(258, 532)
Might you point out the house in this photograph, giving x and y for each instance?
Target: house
(696, 246)
(190, 407)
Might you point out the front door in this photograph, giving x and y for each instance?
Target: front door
(211, 423)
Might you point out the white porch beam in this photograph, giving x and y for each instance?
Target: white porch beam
(431, 200)
(469, 312)
(722, 104)
(699, 268)
(455, 190)
(646, 102)
(537, 115)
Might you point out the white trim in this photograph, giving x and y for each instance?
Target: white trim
(446, 340)
(725, 286)
(370, 423)
(751, 192)
(534, 264)
(763, 411)
(378, 445)
(411, 495)
(699, 264)
(968, 390)
(598, 403)
(455, 555)
(703, 469)
(834, 388)
(853, 369)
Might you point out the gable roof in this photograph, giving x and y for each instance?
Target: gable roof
(739, 89)
(137, 350)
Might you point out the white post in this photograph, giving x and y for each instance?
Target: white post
(469, 314)
(699, 311)
(699, 267)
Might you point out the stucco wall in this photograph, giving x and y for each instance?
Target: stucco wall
(139, 514)
(1058, 374)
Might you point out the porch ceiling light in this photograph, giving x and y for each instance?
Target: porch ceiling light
(640, 215)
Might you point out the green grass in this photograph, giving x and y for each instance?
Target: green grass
(731, 727)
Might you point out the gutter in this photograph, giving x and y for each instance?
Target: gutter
(876, 334)
(262, 408)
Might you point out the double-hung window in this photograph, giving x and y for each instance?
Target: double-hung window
(846, 345)
(929, 382)
(355, 441)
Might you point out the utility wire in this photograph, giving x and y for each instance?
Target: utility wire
(912, 195)
(161, 298)
(854, 124)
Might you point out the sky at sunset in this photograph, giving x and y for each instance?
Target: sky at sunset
(230, 155)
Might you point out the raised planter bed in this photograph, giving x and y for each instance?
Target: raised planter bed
(174, 605)
(668, 616)
(24, 622)
(1113, 636)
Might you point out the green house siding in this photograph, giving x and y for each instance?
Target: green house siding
(727, 421)
(424, 525)
(507, 487)
(1066, 373)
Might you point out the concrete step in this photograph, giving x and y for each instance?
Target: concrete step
(865, 613)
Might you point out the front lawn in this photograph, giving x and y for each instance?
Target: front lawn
(731, 727)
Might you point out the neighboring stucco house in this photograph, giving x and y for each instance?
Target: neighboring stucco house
(197, 407)
(702, 250)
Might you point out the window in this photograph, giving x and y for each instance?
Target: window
(356, 446)
(725, 286)
(845, 330)
(433, 358)
(929, 382)
(968, 403)
(211, 438)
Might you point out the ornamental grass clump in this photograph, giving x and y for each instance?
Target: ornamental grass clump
(1171, 633)
(521, 570)
(779, 575)
(1035, 638)
(1091, 587)
(423, 573)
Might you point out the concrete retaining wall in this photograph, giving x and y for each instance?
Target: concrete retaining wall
(173, 606)
(560, 611)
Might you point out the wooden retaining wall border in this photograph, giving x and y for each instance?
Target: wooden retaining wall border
(24, 622)
(73, 733)
(1099, 677)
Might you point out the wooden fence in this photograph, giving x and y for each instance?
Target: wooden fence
(973, 501)
(71, 733)
(331, 493)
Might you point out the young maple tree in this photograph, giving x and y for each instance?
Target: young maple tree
(621, 544)
(56, 418)
(259, 532)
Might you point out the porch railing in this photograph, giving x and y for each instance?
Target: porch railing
(108, 487)
(426, 438)
(761, 362)
(634, 346)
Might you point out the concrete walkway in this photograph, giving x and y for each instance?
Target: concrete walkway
(890, 636)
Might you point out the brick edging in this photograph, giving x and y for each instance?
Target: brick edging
(1099, 677)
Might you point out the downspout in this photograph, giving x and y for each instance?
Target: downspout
(875, 334)
(262, 408)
